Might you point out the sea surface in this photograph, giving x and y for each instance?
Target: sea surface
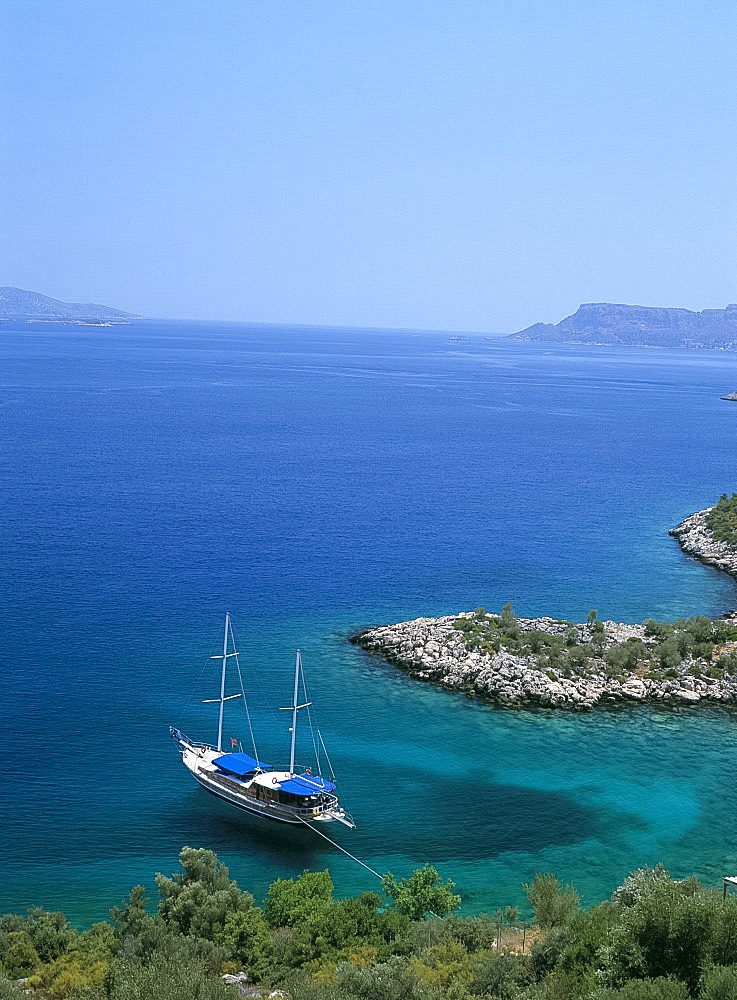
(313, 482)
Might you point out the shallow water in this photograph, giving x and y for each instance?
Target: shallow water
(313, 482)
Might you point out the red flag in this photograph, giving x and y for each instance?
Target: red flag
(234, 743)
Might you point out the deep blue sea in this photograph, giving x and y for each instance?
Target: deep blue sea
(312, 482)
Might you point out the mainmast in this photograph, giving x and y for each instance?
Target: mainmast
(222, 681)
(294, 708)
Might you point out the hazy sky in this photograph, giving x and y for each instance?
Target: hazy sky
(456, 164)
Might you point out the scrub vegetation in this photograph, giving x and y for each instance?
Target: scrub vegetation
(656, 938)
(722, 520)
(583, 649)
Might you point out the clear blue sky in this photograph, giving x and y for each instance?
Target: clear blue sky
(459, 165)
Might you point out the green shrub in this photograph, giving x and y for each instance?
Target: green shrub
(719, 983)
(657, 630)
(722, 519)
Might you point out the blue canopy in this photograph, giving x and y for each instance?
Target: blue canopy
(239, 763)
(307, 784)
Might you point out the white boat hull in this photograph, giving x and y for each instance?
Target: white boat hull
(255, 808)
(198, 759)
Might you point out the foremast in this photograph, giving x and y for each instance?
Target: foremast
(228, 640)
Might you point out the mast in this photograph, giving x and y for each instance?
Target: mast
(222, 681)
(295, 706)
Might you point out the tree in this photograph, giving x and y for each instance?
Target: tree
(131, 917)
(638, 883)
(507, 619)
(247, 938)
(289, 902)
(198, 900)
(51, 933)
(422, 892)
(591, 616)
(672, 929)
(20, 958)
(553, 905)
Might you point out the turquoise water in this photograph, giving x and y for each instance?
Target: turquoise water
(313, 482)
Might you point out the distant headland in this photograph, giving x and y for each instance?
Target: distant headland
(17, 303)
(548, 663)
(641, 326)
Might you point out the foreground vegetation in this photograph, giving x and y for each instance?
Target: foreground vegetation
(655, 939)
(722, 520)
(582, 650)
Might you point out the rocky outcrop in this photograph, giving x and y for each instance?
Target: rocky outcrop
(240, 981)
(433, 649)
(731, 395)
(696, 539)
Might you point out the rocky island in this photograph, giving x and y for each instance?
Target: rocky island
(545, 662)
(640, 326)
(33, 307)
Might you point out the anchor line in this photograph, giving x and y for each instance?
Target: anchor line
(348, 853)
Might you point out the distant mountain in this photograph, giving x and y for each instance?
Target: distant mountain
(640, 326)
(16, 303)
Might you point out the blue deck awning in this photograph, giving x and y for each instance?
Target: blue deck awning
(307, 784)
(239, 764)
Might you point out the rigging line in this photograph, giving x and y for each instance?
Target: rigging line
(332, 772)
(243, 693)
(325, 751)
(191, 693)
(266, 701)
(348, 853)
(309, 719)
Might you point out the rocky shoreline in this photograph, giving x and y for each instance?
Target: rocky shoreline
(696, 540)
(433, 650)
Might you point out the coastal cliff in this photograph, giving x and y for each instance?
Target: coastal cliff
(596, 663)
(640, 326)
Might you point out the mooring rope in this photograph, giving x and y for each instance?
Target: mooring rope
(348, 853)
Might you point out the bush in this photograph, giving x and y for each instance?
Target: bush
(722, 519)
(657, 630)
(670, 929)
(164, 979)
(719, 983)
(662, 988)
(669, 653)
(501, 976)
